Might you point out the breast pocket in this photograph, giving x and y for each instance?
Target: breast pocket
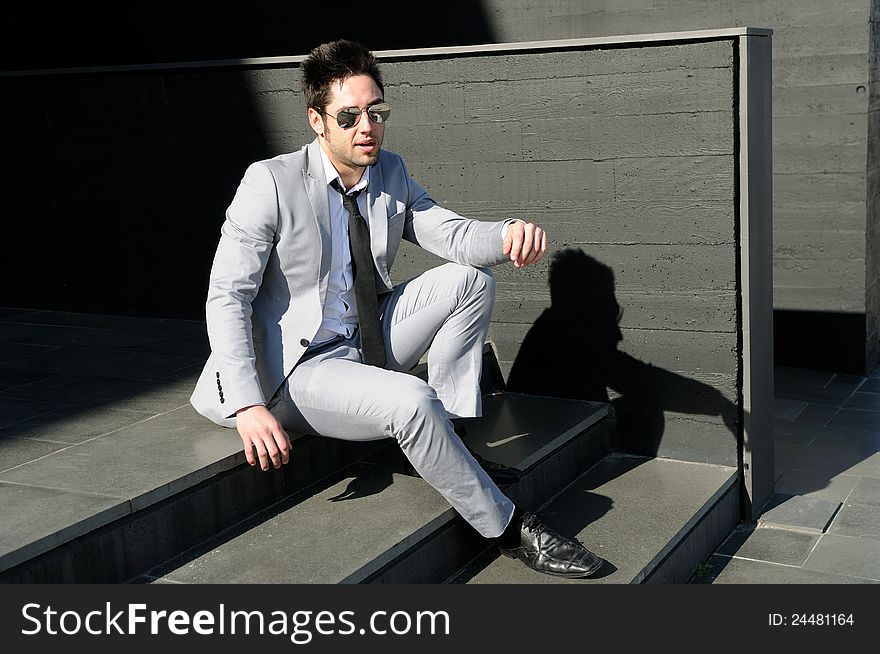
(396, 219)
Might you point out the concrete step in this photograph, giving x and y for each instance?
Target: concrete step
(374, 523)
(107, 509)
(653, 520)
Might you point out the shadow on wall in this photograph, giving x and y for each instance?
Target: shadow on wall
(571, 352)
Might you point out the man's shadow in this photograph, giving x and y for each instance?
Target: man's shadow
(572, 352)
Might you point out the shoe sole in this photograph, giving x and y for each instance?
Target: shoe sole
(563, 575)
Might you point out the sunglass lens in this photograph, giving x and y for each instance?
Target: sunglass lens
(379, 112)
(348, 117)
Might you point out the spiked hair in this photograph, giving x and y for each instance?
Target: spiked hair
(335, 62)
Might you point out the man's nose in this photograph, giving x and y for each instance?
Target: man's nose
(365, 125)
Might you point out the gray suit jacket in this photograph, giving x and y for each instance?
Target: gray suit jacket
(269, 278)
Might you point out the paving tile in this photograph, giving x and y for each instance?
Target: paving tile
(863, 401)
(858, 520)
(192, 347)
(17, 353)
(14, 410)
(724, 570)
(866, 491)
(9, 313)
(816, 414)
(795, 432)
(815, 484)
(13, 378)
(120, 364)
(786, 452)
(71, 336)
(128, 323)
(804, 513)
(844, 555)
(859, 439)
(855, 420)
(834, 394)
(15, 451)
(769, 544)
(786, 409)
(37, 519)
(126, 394)
(74, 424)
(785, 376)
(144, 462)
(839, 459)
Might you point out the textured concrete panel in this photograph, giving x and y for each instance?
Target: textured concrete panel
(693, 89)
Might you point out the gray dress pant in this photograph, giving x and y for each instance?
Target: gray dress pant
(445, 312)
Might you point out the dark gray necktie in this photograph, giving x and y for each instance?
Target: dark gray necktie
(372, 346)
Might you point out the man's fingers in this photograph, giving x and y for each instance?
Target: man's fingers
(261, 454)
(527, 244)
(249, 453)
(282, 440)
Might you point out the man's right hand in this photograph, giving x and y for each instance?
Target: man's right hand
(260, 431)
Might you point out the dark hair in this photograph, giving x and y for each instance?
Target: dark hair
(335, 62)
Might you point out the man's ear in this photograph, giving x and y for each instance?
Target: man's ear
(316, 122)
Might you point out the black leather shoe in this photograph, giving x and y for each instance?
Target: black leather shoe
(498, 472)
(546, 551)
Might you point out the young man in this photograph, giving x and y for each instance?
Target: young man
(308, 334)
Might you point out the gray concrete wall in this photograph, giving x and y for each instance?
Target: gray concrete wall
(872, 231)
(625, 154)
(821, 128)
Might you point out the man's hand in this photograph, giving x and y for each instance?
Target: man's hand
(260, 431)
(525, 243)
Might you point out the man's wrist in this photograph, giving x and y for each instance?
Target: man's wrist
(250, 406)
(508, 223)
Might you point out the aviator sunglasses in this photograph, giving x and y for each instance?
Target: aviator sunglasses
(349, 117)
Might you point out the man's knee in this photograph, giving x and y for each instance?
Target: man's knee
(476, 282)
(415, 404)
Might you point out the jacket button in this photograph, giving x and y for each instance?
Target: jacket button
(304, 342)
(222, 400)
(218, 375)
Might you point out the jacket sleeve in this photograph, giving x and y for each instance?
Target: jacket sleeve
(246, 241)
(448, 235)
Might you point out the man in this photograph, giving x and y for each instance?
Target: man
(308, 334)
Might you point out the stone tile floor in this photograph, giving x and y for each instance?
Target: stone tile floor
(823, 524)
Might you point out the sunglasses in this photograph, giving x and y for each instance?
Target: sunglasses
(349, 117)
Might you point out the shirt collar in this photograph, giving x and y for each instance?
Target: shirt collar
(331, 173)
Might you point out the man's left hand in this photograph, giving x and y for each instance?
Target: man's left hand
(525, 243)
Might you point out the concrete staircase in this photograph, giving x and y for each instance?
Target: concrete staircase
(344, 512)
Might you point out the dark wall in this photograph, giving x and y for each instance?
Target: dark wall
(102, 34)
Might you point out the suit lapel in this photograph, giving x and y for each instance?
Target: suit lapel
(377, 214)
(316, 188)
